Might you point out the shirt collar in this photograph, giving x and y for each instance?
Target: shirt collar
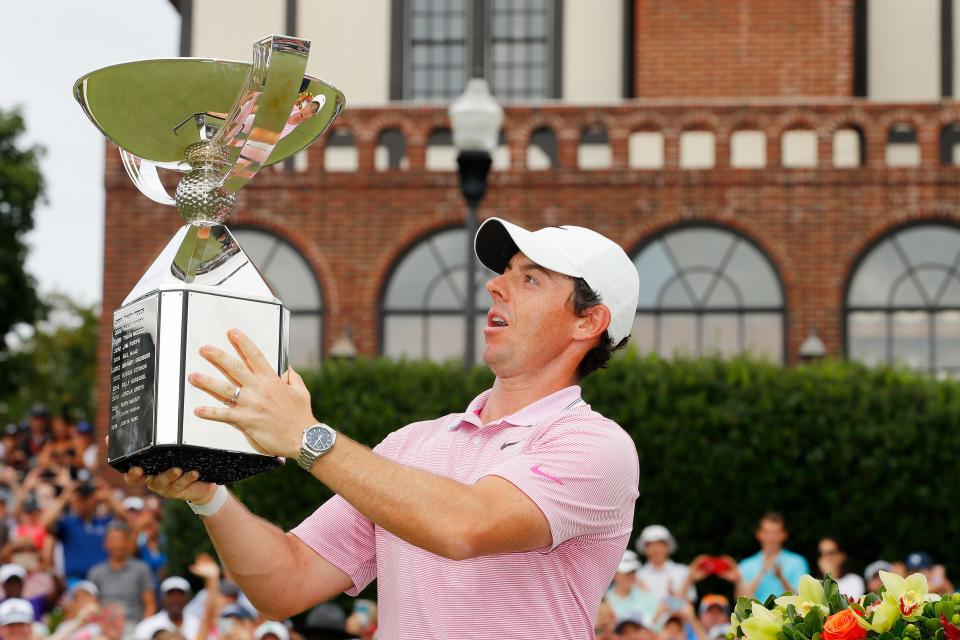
(533, 413)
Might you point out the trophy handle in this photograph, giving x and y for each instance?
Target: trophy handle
(144, 175)
(264, 108)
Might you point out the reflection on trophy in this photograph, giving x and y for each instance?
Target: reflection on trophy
(219, 123)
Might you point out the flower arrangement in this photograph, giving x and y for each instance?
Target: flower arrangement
(303, 98)
(903, 609)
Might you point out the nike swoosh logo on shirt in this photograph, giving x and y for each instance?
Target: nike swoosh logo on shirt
(508, 444)
(543, 474)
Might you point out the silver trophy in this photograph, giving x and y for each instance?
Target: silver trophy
(218, 122)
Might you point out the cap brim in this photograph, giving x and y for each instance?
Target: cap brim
(497, 241)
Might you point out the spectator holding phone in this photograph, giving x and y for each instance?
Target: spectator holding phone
(832, 560)
(626, 598)
(723, 567)
(773, 570)
(660, 576)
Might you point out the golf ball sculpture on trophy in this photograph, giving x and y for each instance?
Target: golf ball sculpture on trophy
(218, 122)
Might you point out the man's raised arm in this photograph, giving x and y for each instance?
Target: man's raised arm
(278, 572)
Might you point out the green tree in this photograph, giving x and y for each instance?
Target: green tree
(57, 364)
(21, 187)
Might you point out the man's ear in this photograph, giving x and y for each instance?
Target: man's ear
(593, 323)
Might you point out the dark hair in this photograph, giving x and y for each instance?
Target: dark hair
(581, 299)
(773, 516)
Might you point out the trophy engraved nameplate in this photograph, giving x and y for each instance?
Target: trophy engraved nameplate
(219, 123)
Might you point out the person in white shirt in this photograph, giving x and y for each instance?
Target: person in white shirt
(626, 598)
(659, 575)
(832, 560)
(175, 592)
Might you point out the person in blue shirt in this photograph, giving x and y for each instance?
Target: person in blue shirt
(773, 570)
(82, 530)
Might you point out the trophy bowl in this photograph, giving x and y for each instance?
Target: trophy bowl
(217, 122)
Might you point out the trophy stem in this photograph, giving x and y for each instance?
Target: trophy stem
(201, 199)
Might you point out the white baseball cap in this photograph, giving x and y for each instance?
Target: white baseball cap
(8, 571)
(629, 563)
(271, 626)
(173, 583)
(134, 503)
(573, 251)
(656, 533)
(84, 585)
(14, 611)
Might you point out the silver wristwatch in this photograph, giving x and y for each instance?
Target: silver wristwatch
(316, 441)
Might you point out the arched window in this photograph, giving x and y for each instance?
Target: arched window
(706, 290)
(292, 279)
(441, 154)
(542, 150)
(340, 152)
(903, 300)
(697, 149)
(594, 151)
(748, 149)
(849, 147)
(423, 301)
(950, 144)
(902, 147)
(391, 151)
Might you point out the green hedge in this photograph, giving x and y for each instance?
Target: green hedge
(868, 455)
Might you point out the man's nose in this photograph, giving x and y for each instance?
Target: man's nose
(496, 286)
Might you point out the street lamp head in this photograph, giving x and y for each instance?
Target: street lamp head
(813, 347)
(475, 118)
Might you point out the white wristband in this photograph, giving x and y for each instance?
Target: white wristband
(216, 502)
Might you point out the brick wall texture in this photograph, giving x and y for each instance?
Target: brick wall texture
(743, 48)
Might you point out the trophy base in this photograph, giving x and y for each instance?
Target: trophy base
(219, 467)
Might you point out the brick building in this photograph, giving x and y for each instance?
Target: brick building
(774, 172)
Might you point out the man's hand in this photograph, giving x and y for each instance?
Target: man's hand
(271, 411)
(173, 484)
(205, 567)
(696, 570)
(733, 573)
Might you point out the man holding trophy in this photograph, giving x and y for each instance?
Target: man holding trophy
(506, 520)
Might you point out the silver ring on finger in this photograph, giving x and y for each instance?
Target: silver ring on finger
(232, 402)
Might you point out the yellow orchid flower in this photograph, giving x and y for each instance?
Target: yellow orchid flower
(763, 624)
(902, 598)
(809, 595)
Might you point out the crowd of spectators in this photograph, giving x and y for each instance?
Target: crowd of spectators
(659, 599)
(79, 560)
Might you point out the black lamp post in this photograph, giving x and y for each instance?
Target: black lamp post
(475, 120)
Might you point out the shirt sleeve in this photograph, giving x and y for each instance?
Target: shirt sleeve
(583, 478)
(343, 536)
(146, 577)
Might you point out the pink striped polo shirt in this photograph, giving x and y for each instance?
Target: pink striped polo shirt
(580, 469)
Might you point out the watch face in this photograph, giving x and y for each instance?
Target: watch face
(318, 438)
